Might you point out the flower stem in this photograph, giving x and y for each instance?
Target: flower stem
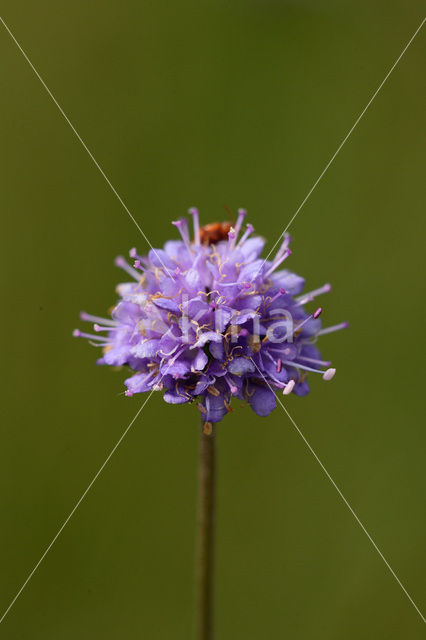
(206, 518)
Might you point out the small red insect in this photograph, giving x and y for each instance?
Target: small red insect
(214, 232)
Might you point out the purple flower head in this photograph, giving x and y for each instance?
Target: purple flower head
(209, 320)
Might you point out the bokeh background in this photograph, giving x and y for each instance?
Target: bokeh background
(211, 103)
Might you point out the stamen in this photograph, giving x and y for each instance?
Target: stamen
(241, 215)
(281, 292)
(97, 328)
(231, 241)
(231, 386)
(138, 265)
(320, 363)
(329, 374)
(196, 222)
(230, 284)
(179, 278)
(87, 317)
(276, 264)
(246, 234)
(278, 365)
(336, 327)
(134, 254)
(215, 392)
(122, 263)
(289, 387)
(283, 247)
(228, 406)
(182, 226)
(141, 259)
(310, 295)
(296, 365)
(313, 316)
(80, 334)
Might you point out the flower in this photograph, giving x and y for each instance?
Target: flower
(208, 321)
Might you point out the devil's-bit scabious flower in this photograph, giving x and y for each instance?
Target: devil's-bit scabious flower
(208, 320)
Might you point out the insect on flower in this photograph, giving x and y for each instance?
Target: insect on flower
(215, 232)
(207, 320)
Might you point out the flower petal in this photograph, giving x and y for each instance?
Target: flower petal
(240, 365)
(208, 336)
(200, 360)
(159, 258)
(262, 400)
(146, 348)
(215, 408)
(174, 397)
(140, 382)
(292, 283)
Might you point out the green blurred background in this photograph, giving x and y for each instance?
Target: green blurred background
(211, 103)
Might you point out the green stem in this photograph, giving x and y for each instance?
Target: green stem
(206, 518)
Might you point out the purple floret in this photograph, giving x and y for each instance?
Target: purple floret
(208, 322)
